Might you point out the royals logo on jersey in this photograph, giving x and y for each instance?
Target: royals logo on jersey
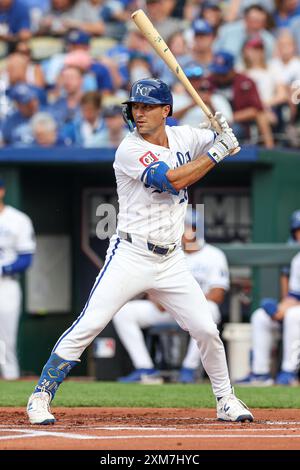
(148, 158)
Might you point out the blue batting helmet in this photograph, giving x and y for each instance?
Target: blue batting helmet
(149, 91)
(295, 221)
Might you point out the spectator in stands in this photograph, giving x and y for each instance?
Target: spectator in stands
(235, 8)
(202, 49)
(232, 36)
(37, 9)
(17, 70)
(14, 20)
(96, 74)
(66, 107)
(34, 72)
(178, 46)
(88, 125)
(286, 63)
(114, 129)
(286, 11)
(184, 107)
(139, 66)
(243, 96)
(45, 132)
(69, 14)
(160, 13)
(16, 129)
(135, 41)
(209, 11)
(270, 86)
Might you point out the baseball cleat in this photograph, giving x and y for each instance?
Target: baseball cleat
(187, 375)
(286, 378)
(138, 375)
(230, 408)
(38, 409)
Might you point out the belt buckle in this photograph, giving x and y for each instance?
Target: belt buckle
(171, 249)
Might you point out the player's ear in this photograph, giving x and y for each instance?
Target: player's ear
(166, 110)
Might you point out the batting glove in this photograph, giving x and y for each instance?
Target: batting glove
(224, 145)
(218, 116)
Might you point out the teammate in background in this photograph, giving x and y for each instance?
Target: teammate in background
(154, 165)
(209, 267)
(272, 317)
(17, 245)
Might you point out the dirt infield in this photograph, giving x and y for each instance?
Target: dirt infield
(145, 428)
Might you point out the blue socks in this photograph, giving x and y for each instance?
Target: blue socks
(53, 373)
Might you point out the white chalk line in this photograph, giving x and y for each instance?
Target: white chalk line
(158, 436)
(24, 434)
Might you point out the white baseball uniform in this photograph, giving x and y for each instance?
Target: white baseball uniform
(210, 269)
(263, 329)
(148, 215)
(16, 237)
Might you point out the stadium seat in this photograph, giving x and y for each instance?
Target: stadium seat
(100, 45)
(45, 46)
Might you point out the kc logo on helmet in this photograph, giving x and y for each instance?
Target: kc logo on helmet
(143, 90)
(148, 158)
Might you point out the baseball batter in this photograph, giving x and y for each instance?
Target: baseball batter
(209, 267)
(154, 165)
(17, 245)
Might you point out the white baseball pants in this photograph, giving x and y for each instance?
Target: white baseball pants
(264, 331)
(130, 270)
(139, 314)
(10, 304)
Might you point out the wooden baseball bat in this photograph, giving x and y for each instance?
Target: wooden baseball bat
(159, 45)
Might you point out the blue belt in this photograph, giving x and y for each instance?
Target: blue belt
(157, 249)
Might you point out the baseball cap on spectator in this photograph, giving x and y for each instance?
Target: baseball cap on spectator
(23, 93)
(202, 27)
(222, 63)
(112, 110)
(2, 183)
(76, 36)
(254, 42)
(211, 5)
(193, 71)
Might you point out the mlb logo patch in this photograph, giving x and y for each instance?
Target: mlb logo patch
(148, 158)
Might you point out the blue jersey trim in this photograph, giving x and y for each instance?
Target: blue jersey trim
(90, 296)
(296, 295)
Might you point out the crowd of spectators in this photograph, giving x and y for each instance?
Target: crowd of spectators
(242, 56)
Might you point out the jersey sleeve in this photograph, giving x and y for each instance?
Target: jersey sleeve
(133, 159)
(294, 281)
(25, 242)
(201, 141)
(219, 274)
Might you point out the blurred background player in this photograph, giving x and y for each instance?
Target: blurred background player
(17, 245)
(271, 318)
(209, 267)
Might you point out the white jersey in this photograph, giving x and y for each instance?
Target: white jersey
(209, 267)
(145, 211)
(16, 235)
(294, 280)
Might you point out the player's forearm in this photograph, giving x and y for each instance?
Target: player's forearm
(191, 172)
(216, 295)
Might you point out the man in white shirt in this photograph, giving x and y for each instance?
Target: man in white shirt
(17, 245)
(154, 164)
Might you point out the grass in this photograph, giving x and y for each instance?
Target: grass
(112, 394)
